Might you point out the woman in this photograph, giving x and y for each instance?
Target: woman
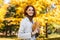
(25, 31)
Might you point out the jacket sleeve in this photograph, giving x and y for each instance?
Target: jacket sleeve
(21, 33)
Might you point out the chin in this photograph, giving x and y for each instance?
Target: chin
(30, 15)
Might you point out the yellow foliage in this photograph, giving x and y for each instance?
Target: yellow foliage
(1, 1)
(49, 17)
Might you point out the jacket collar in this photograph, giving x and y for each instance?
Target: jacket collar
(29, 20)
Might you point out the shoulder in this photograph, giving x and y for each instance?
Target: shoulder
(24, 20)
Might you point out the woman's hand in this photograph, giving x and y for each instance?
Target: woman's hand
(35, 31)
(35, 28)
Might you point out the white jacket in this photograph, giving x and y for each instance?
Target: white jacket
(25, 30)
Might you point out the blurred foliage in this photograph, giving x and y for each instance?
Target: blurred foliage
(47, 11)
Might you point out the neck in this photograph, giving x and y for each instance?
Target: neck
(30, 18)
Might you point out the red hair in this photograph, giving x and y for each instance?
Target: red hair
(34, 14)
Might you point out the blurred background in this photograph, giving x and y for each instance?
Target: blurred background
(47, 14)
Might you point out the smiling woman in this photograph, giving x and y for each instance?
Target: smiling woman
(25, 31)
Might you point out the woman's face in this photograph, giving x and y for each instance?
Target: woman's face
(30, 11)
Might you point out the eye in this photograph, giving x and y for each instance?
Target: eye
(32, 10)
(29, 9)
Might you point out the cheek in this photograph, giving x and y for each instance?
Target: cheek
(28, 12)
(31, 12)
